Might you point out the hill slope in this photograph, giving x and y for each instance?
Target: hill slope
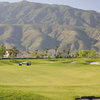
(37, 26)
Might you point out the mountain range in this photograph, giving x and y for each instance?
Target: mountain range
(31, 26)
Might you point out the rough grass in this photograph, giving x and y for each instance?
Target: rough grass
(10, 94)
(49, 79)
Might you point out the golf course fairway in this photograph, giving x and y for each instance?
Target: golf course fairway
(49, 79)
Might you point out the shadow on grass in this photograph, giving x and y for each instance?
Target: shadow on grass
(18, 95)
(52, 60)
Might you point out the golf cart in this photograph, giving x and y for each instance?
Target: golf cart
(27, 63)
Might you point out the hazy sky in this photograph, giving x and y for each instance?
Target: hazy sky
(82, 4)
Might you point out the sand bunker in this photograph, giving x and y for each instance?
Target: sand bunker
(94, 63)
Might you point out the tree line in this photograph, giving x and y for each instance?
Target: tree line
(65, 53)
(12, 51)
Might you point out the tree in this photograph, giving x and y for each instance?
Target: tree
(56, 49)
(2, 50)
(10, 52)
(91, 53)
(83, 53)
(36, 51)
(76, 54)
(13, 51)
(68, 51)
(63, 54)
(46, 51)
(87, 53)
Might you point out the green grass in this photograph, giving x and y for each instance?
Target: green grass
(49, 79)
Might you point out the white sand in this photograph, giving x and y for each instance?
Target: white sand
(94, 63)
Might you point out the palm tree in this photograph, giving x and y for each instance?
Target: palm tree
(13, 51)
(63, 53)
(46, 51)
(68, 51)
(56, 49)
(10, 52)
(36, 51)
